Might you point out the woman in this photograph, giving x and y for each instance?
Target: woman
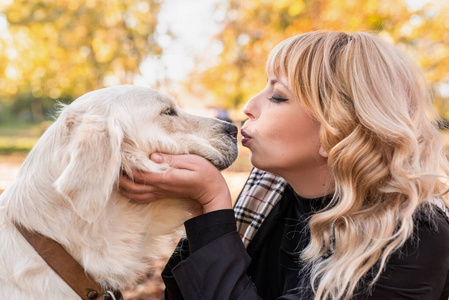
(357, 208)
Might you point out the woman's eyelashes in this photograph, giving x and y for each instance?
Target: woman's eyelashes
(275, 98)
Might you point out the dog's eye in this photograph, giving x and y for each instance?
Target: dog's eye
(170, 112)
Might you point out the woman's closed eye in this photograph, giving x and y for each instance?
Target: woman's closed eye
(277, 99)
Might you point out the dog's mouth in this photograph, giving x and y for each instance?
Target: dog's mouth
(224, 153)
(227, 152)
(222, 164)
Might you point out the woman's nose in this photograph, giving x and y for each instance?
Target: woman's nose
(248, 109)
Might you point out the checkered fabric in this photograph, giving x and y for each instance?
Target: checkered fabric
(260, 194)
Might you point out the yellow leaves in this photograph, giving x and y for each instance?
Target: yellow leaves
(113, 17)
(370, 6)
(296, 8)
(386, 36)
(54, 93)
(39, 14)
(91, 3)
(103, 47)
(245, 50)
(15, 16)
(71, 5)
(65, 48)
(11, 89)
(280, 4)
(36, 91)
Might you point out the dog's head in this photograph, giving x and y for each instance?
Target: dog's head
(154, 123)
(116, 129)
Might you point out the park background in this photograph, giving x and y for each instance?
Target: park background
(209, 55)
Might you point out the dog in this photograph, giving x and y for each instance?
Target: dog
(67, 189)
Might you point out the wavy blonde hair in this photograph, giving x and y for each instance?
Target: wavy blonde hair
(386, 156)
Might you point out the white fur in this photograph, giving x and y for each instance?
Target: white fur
(66, 189)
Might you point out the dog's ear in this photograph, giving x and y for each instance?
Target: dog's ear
(94, 164)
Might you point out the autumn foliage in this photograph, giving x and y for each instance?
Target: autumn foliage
(61, 49)
(252, 28)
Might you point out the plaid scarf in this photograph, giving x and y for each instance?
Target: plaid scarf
(260, 194)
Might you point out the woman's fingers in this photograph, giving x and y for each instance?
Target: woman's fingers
(181, 165)
(131, 186)
(134, 189)
(145, 177)
(152, 185)
(138, 198)
(186, 161)
(190, 176)
(139, 193)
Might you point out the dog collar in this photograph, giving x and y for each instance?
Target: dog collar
(67, 267)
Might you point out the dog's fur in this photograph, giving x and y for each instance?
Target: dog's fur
(67, 189)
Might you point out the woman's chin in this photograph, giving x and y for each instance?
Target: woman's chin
(258, 163)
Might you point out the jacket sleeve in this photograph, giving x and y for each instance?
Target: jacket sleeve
(216, 271)
(211, 264)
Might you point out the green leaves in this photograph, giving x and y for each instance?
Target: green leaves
(63, 49)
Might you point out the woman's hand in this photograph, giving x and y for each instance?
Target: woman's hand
(191, 177)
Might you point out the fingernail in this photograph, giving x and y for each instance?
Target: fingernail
(156, 157)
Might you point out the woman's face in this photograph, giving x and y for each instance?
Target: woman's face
(282, 138)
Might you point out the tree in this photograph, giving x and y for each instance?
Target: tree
(253, 27)
(62, 49)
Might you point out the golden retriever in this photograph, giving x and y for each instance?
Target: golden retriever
(67, 189)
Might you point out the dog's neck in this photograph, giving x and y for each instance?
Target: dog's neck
(95, 246)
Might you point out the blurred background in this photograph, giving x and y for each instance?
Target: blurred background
(207, 54)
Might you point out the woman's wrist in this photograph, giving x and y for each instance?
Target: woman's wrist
(222, 201)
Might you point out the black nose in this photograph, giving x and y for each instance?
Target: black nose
(231, 129)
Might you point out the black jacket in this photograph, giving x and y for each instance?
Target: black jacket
(213, 264)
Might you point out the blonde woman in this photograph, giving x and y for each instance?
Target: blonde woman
(351, 202)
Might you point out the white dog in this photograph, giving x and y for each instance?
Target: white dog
(66, 189)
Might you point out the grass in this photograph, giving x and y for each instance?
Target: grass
(19, 138)
(11, 145)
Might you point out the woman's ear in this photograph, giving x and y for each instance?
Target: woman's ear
(323, 152)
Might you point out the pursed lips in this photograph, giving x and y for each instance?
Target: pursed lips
(246, 138)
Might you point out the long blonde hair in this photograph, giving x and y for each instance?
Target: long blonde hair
(386, 156)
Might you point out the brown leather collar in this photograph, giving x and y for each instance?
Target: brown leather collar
(66, 267)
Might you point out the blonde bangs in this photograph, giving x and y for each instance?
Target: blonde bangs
(288, 60)
(278, 60)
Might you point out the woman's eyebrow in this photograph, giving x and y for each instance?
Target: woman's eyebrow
(273, 81)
